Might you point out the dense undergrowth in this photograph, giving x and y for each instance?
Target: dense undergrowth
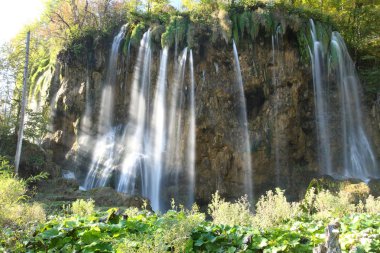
(274, 225)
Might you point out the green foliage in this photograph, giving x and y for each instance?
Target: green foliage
(303, 46)
(370, 76)
(16, 216)
(137, 33)
(175, 31)
(329, 205)
(223, 212)
(372, 205)
(145, 232)
(36, 126)
(273, 209)
(140, 232)
(5, 168)
(180, 230)
(83, 207)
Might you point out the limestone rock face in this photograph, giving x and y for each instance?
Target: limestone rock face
(280, 114)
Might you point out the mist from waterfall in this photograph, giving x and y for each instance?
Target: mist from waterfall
(174, 159)
(243, 123)
(136, 129)
(358, 158)
(102, 159)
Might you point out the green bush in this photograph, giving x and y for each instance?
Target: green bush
(226, 213)
(16, 216)
(12, 209)
(372, 205)
(83, 207)
(328, 205)
(273, 209)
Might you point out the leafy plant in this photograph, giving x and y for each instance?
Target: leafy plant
(83, 207)
(273, 209)
(227, 213)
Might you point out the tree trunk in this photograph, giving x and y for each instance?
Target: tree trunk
(23, 105)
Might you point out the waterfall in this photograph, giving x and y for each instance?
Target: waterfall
(102, 159)
(279, 135)
(173, 157)
(86, 122)
(243, 122)
(318, 62)
(191, 138)
(358, 158)
(153, 137)
(158, 135)
(136, 130)
(106, 105)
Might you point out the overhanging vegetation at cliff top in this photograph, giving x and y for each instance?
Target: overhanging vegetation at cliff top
(221, 23)
(77, 26)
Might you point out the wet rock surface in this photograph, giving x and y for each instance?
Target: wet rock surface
(280, 117)
(59, 191)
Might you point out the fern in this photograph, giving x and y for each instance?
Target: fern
(175, 31)
(137, 33)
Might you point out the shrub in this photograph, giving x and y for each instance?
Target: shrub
(173, 231)
(83, 207)
(12, 192)
(273, 208)
(176, 229)
(25, 214)
(328, 205)
(372, 205)
(223, 212)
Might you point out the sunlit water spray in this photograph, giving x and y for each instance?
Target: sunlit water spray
(102, 159)
(135, 136)
(173, 157)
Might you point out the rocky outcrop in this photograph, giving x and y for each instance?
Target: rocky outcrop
(280, 114)
(63, 191)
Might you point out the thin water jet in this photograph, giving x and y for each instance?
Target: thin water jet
(247, 164)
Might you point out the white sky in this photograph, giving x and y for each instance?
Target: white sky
(14, 14)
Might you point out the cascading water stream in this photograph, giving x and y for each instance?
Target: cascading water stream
(318, 63)
(158, 137)
(136, 130)
(243, 122)
(191, 139)
(358, 158)
(102, 160)
(280, 150)
(84, 139)
(106, 106)
(173, 157)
